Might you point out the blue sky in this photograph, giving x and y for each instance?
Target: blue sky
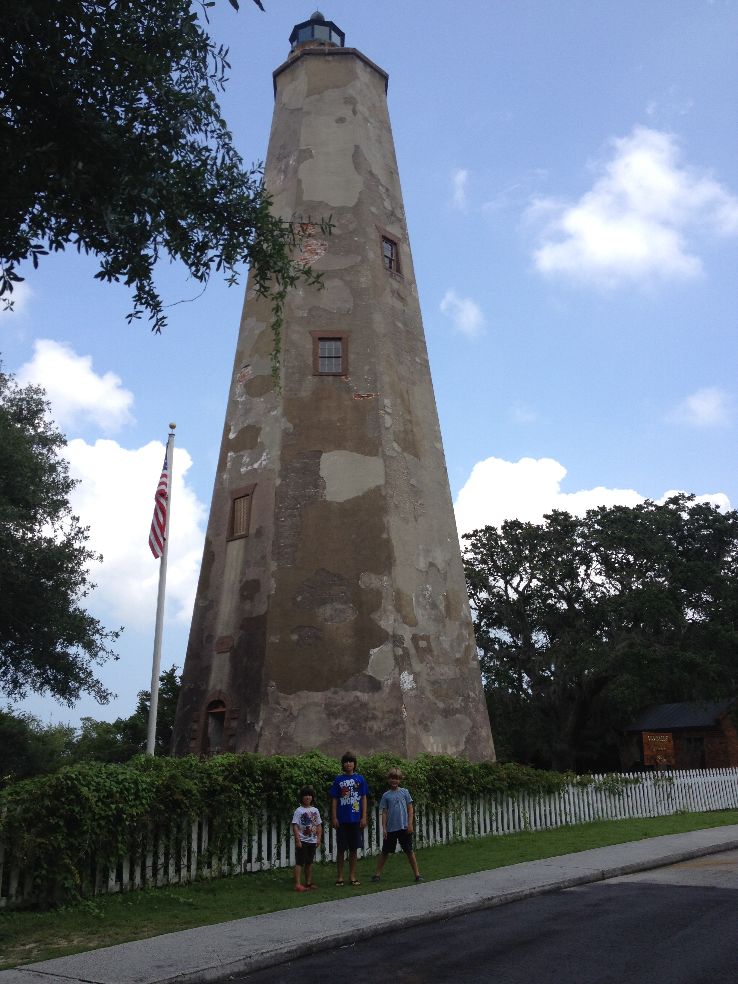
(570, 175)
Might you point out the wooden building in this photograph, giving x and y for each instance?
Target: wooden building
(690, 735)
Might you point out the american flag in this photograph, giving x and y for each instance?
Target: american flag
(159, 519)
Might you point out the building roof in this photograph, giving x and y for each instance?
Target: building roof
(690, 714)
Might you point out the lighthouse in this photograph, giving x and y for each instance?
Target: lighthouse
(331, 610)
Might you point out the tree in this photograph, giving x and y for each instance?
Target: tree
(48, 642)
(120, 740)
(112, 141)
(28, 748)
(581, 621)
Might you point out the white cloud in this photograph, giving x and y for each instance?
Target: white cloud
(634, 222)
(708, 407)
(529, 488)
(77, 393)
(465, 313)
(115, 498)
(459, 181)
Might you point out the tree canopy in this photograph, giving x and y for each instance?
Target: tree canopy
(582, 621)
(48, 642)
(29, 748)
(120, 740)
(112, 142)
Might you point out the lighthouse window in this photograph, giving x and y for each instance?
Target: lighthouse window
(240, 520)
(330, 354)
(390, 255)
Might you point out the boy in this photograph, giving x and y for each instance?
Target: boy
(308, 829)
(348, 815)
(396, 810)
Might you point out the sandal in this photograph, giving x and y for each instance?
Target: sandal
(354, 883)
(339, 883)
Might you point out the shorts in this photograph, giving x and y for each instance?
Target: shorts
(389, 844)
(350, 837)
(305, 854)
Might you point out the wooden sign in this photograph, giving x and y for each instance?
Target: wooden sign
(658, 748)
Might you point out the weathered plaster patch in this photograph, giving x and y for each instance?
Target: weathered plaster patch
(326, 177)
(332, 261)
(407, 681)
(335, 297)
(406, 607)
(381, 662)
(347, 475)
(447, 735)
(336, 613)
(293, 90)
(311, 726)
(323, 587)
(243, 438)
(258, 386)
(247, 465)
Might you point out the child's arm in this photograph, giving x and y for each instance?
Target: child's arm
(296, 832)
(362, 822)
(410, 817)
(334, 815)
(383, 815)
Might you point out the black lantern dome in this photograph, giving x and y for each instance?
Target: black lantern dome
(317, 31)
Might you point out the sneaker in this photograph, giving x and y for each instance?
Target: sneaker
(419, 878)
(300, 888)
(376, 878)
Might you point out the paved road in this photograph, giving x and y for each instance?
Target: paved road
(675, 925)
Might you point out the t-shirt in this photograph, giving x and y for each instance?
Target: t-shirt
(396, 802)
(348, 790)
(307, 819)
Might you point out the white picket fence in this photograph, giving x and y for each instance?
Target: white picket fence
(175, 853)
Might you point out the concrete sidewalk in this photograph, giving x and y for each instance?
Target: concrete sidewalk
(211, 953)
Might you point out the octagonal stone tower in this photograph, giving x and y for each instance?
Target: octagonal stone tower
(331, 610)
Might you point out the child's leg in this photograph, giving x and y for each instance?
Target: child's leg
(339, 865)
(298, 874)
(413, 863)
(309, 874)
(352, 866)
(381, 862)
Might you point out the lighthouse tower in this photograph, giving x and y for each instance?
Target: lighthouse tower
(331, 610)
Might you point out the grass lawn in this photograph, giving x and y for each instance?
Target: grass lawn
(27, 936)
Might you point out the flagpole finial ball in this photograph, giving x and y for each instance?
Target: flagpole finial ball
(172, 427)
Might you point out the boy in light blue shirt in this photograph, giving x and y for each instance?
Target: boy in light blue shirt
(397, 813)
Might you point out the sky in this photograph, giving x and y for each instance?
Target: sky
(570, 177)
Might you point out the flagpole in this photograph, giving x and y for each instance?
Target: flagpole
(156, 660)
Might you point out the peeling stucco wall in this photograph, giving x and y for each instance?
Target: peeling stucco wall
(342, 619)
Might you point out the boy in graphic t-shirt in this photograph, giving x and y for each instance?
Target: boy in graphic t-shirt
(397, 813)
(348, 815)
(307, 828)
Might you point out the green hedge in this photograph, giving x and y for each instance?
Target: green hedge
(55, 824)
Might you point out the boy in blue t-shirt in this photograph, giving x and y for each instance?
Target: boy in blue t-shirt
(396, 810)
(348, 815)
